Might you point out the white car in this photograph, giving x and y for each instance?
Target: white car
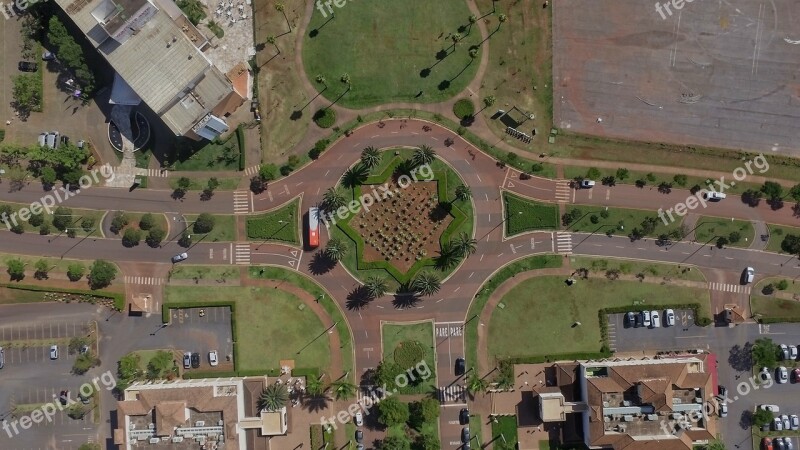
(669, 316)
(179, 257)
(646, 319)
(587, 184)
(212, 358)
(784, 352)
(795, 422)
(792, 352)
(783, 375)
(53, 352)
(749, 275)
(655, 319)
(187, 360)
(777, 424)
(764, 375)
(359, 419)
(770, 408)
(723, 409)
(786, 423)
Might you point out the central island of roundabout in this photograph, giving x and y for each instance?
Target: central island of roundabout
(400, 220)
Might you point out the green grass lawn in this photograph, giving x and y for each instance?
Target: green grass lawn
(527, 215)
(77, 217)
(279, 225)
(384, 47)
(188, 272)
(775, 308)
(310, 286)
(599, 265)
(710, 228)
(504, 433)
(620, 220)
(224, 228)
(477, 305)
(791, 287)
(776, 235)
(510, 331)
(272, 324)
(206, 155)
(135, 217)
(394, 335)
(198, 184)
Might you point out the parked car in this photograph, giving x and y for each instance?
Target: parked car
(779, 444)
(359, 436)
(587, 184)
(465, 435)
(796, 375)
(64, 139)
(52, 139)
(723, 409)
(42, 139)
(461, 366)
(764, 375)
(2, 358)
(53, 352)
(359, 419)
(187, 360)
(723, 392)
(463, 417)
(63, 397)
(195, 360)
(787, 424)
(795, 421)
(85, 399)
(655, 319)
(212, 358)
(784, 351)
(748, 275)
(788, 441)
(646, 322)
(783, 375)
(630, 319)
(27, 66)
(766, 444)
(777, 424)
(48, 56)
(793, 352)
(180, 257)
(770, 408)
(669, 317)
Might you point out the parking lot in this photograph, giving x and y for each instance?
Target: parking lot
(625, 338)
(191, 332)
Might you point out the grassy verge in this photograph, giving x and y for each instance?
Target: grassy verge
(224, 228)
(198, 184)
(772, 310)
(477, 305)
(504, 433)
(776, 235)
(672, 271)
(278, 225)
(710, 228)
(188, 272)
(527, 215)
(310, 286)
(218, 154)
(78, 215)
(395, 337)
(509, 334)
(791, 286)
(620, 221)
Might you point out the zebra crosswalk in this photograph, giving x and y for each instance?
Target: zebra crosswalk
(454, 393)
(727, 287)
(163, 173)
(241, 202)
(563, 243)
(149, 281)
(241, 254)
(563, 191)
(252, 170)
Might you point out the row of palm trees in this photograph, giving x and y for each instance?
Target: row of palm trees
(275, 396)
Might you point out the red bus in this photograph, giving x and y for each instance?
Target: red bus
(313, 227)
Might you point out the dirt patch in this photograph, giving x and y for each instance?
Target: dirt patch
(403, 229)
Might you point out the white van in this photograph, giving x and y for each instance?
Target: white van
(42, 139)
(52, 139)
(714, 196)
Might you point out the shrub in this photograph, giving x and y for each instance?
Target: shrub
(325, 118)
(131, 237)
(286, 170)
(204, 223)
(44, 229)
(680, 180)
(36, 220)
(87, 224)
(146, 222)
(408, 353)
(782, 285)
(101, 274)
(155, 236)
(75, 271)
(464, 108)
(536, 167)
(267, 172)
(119, 222)
(768, 289)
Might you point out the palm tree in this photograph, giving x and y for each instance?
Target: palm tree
(321, 80)
(426, 283)
(464, 245)
(448, 257)
(502, 18)
(271, 40)
(333, 199)
(463, 193)
(355, 176)
(489, 101)
(343, 389)
(423, 155)
(472, 19)
(346, 80)
(371, 157)
(476, 384)
(376, 286)
(336, 249)
(280, 7)
(273, 397)
(315, 387)
(455, 37)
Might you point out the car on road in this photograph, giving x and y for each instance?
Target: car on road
(646, 322)
(764, 375)
(461, 366)
(179, 257)
(53, 352)
(212, 358)
(630, 319)
(714, 196)
(465, 435)
(770, 408)
(63, 397)
(795, 420)
(48, 56)
(784, 352)
(359, 419)
(723, 409)
(463, 417)
(359, 436)
(783, 375)
(748, 275)
(655, 319)
(27, 66)
(195, 360)
(187, 360)
(766, 444)
(777, 424)
(792, 352)
(587, 184)
(669, 318)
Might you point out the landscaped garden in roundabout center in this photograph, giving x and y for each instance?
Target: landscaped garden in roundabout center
(413, 230)
(371, 53)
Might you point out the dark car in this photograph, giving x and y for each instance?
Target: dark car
(461, 366)
(26, 66)
(630, 319)
(48, 56)
(195, 360)
(723, 392)
(64, 140)
(359, 436)
(465, 435)
(63, 397)
(463, 417)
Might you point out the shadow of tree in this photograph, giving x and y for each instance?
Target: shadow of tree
(746, 420)
(405, 300)
(741, 357)
(315, 403)
(358, 299)
(320, 264)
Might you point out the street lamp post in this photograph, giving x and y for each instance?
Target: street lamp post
(65, 229)
(79, 242)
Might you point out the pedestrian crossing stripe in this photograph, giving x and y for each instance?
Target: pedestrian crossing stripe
(727, 287)
(242, 254)
(241, 202)
(563, 242)
(149, 281)
(252, 170)
(455, 393)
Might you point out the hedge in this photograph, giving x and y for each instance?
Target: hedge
(119, 299)
(766, 320)
(240, 138)
(555, 357)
